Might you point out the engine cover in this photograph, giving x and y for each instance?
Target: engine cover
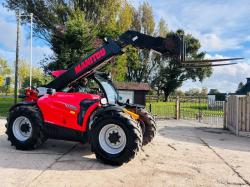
(63, 109)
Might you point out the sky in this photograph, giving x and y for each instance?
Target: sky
(221, 26)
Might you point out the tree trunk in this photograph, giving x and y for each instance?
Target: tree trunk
(166, 95)
(158, 94)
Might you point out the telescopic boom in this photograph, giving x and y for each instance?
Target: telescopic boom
(172, 46)
(169, 47)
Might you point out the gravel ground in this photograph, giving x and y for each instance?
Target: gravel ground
(184, 153)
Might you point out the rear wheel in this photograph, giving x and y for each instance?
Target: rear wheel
(23, 128)
(115, 139)
(148, 124)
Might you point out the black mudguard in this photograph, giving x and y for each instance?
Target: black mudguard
(101, 112)
(132, 106)
(84, 106)
(24, 103)
(108, 109)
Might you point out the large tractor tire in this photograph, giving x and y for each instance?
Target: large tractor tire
(115, 139)
(23, 128)
(148, 125)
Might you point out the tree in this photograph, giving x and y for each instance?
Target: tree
(162, 28)
(1, 81)
(38, 77)
(5, 71)
(126, 17)
(214, 91)
(240, 85)
(51, 16)
(72, 27)
(139, 63)
(179, 93)
(162, 31)
(193, 92)
(48, 15)
(204, 91)
(118, 65)
(76, 41)
(170, 75)
(71, 34)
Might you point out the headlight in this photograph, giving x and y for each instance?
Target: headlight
(104, 101)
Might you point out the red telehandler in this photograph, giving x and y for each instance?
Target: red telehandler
(115, 130)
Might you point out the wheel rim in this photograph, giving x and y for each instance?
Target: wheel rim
(22, 128)
(112, 139)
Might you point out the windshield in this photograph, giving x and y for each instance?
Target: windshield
(109, 89)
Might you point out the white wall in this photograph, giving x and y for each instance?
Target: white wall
(126, 94)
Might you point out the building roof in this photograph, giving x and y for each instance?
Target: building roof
(132, 86)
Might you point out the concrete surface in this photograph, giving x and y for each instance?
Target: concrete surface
(183, 153)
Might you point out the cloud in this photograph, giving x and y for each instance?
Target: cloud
(224, 78)
(39, 52)
(222, 28)
(7, 34)
(212, 42)
(220, 25)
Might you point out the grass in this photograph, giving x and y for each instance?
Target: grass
(187, 109)
(162, 109)
(5, 104)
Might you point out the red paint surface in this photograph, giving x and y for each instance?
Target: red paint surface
(31, 95)
(58, 73)
(62, 109)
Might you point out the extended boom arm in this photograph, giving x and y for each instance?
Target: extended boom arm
(170, 47)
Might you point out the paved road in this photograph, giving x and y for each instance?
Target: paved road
(183, 153)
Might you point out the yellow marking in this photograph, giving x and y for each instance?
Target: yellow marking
(132, 114)
(72, 112)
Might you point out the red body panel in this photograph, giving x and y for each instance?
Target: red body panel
(62, 109)
(58, 73)
(31, 95)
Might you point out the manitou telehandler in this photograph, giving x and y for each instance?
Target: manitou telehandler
(115, 130)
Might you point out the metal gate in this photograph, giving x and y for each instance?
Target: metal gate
(202, 109)
(189, 108)
(160, 109)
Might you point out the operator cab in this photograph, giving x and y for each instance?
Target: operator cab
(108, 88)
(98, 83)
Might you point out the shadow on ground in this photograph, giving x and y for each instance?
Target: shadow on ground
(53, 154)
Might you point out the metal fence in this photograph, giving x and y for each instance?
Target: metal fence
(162, 110)
(201, 109)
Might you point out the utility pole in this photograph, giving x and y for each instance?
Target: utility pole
(31, 38)
(17, 55)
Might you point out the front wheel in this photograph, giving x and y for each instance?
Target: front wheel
(116, 139)
(23, 128)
